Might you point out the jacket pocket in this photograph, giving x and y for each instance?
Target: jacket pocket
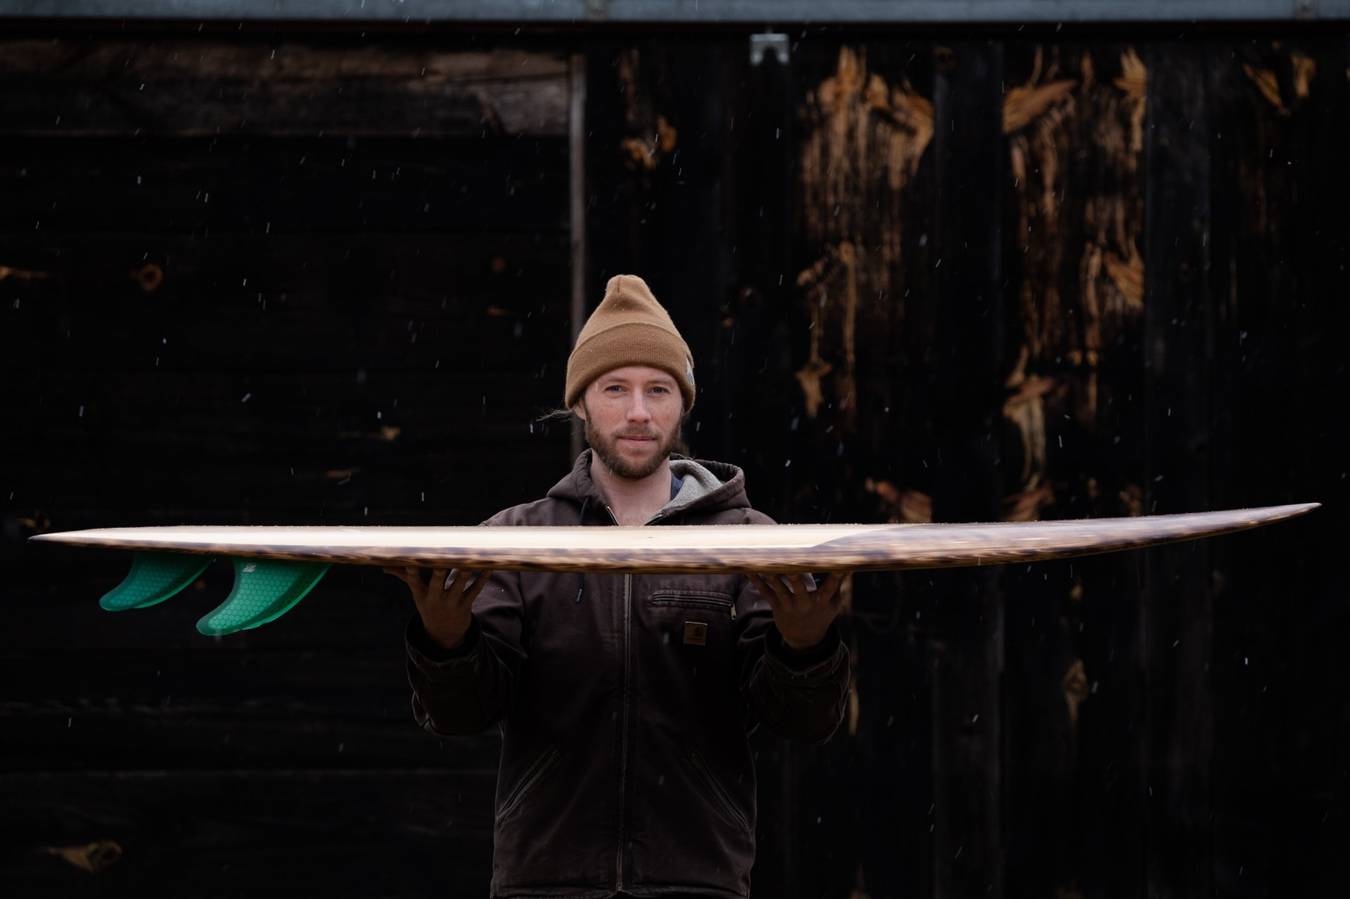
(695, 599)
(720, 797)
(527, 782)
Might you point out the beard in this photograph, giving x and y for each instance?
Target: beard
(607, 449)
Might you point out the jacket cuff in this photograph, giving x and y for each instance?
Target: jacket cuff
(806, 661)
(429, 656)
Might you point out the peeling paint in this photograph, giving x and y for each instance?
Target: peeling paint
(1075, 687)
(1082, 272)
(650, 138)
(864, 137)
(91, 857)
(1300, 70)
(901, 506)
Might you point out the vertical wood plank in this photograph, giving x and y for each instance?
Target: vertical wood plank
(1176, 633)
(1280, 276)
(967, 759)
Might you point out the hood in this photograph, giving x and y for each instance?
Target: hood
(708, 486)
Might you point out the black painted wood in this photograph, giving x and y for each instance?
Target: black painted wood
(1176, 615)
(404, 320)
(969, 362)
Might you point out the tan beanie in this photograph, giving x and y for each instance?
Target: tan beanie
(628, 328)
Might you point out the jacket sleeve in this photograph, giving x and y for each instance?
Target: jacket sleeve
(799, 695)
(468, 689)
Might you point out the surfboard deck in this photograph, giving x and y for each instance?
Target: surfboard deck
(763, 548)
(276, 566)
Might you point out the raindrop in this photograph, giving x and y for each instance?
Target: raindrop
(246, 398)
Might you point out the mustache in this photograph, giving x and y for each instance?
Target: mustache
(649, 435)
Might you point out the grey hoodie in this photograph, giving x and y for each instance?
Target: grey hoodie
(625, 703)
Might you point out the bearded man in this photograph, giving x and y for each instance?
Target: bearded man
(625, 701)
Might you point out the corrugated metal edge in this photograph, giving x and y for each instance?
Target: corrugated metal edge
(744, 12)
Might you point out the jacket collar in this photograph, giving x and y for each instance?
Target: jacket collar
(709, 486)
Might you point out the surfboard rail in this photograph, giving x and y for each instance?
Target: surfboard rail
(275, 567)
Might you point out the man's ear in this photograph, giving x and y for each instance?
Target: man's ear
(579, 410)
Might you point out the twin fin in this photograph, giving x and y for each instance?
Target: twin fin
(154, 577)
(264, 589)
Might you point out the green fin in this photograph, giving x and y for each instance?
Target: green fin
(153, 578)
(264, 590)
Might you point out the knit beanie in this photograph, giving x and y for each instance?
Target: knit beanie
(629, 327)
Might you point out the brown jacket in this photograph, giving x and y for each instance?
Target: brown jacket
(625, 702)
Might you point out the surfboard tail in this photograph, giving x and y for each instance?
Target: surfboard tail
(264, 589)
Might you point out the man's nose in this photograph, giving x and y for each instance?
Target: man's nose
(637, 410)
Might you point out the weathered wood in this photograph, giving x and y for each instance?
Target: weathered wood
(352, 267)
(1073, 121)
(834, 366)
(968, 659)
(260, 185)
(1176, 620)
(1280, 714)
(225, 832)
(206, 85)
(205, 708)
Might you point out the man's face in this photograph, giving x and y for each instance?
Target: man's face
(633, 418)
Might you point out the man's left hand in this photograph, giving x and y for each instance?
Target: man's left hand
(802, 609)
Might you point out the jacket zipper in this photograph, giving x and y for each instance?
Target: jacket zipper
(623, 752)
(623, 758)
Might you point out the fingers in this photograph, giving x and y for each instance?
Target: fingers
(798, 592)
(462, 587)
(776, 590)
(829, 588)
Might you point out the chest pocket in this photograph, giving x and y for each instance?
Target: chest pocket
(692, 618)
(712, 602)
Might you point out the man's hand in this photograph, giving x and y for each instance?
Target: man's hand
(802, 611)
(445, 600)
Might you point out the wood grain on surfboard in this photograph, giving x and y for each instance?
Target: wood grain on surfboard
(783, 548)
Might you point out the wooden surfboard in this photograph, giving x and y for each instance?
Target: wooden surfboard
(276, 566)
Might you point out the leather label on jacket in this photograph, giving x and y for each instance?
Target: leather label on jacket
(695, 633)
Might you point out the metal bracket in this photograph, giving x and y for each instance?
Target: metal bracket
(768, 42)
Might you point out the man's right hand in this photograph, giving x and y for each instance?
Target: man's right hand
(444, 600)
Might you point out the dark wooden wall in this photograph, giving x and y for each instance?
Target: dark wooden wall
(261, 280)
(322, 277)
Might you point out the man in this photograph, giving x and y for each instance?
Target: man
(625, 701)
